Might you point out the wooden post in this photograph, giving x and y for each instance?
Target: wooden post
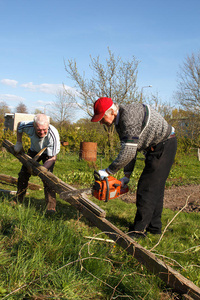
(97, 216)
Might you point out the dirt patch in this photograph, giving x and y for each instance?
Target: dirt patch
(175, 198)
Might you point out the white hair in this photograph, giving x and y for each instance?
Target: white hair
(114, 107)
(41, 119)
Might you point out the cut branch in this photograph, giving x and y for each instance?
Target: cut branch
(13, 180)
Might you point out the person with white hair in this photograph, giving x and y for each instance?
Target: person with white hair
(42, 134)
(140, 128)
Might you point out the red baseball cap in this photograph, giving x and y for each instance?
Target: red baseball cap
(100, 107)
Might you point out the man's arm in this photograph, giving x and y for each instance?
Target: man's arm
(18, 146)
(48, 163)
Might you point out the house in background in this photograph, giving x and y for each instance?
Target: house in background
(11, 120)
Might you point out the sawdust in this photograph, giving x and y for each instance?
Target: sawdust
(176, 197)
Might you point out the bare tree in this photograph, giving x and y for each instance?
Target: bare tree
(188, 94)
(3, 109)
(63, 108)
(116, 79)
(165, 109)
(21, 108)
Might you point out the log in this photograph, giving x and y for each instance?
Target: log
(13, 180)
(97, 216)
(8, 192)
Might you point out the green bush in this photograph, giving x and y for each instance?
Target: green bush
(184, 145)
(75, 135)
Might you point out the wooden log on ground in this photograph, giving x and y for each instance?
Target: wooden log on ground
(13, 180)
(97, 216)
(8, 192)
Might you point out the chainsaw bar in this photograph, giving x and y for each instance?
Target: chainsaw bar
(77, 192)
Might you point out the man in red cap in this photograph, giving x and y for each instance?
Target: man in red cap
(141, 128)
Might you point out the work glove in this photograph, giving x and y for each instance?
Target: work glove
(18, 147)
(124, 180)
(103, 174)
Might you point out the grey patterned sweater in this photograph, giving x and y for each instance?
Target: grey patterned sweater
(139, 127)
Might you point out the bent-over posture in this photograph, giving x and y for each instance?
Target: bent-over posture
(141, 128)
(42, 134)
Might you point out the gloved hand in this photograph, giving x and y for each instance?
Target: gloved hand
(124, 181)
(18, 147)
(103, 173)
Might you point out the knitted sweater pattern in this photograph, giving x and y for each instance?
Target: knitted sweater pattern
(137, 135)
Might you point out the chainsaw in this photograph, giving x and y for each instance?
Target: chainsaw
(102, 189)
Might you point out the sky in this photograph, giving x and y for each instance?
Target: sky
(38, 36)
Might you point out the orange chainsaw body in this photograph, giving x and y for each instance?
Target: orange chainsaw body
(108, 188)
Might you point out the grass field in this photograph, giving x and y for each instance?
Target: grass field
(51, 258)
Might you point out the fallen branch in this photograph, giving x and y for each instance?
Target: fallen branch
(8, 192)
(13, 180)
(99, 239)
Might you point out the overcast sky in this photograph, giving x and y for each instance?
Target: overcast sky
(37, 36)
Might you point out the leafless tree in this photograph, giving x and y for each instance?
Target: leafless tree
(188, 94)
(165, 109)
(21, 108)
(63, 108)
(3, 109)
(116, 79)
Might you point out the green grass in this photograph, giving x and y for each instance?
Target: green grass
(51, 258)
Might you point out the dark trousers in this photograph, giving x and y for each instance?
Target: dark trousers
(23, 178)
(151, 186)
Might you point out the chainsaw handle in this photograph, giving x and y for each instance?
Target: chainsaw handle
(97, 175)
(107, 190)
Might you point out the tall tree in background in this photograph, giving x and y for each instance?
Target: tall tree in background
(165, 109)
(3, 109)
(21, 108)
(188, 94)
(116, 79)
(63, 108)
